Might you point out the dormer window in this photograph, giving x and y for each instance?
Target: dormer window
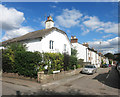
(51, 44)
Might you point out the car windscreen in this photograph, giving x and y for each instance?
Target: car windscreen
(89, 66)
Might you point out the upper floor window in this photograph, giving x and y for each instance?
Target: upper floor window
(65, 47)
(51, 44)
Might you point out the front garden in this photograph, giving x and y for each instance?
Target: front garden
(16, 59)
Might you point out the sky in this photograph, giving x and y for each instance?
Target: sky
(93, 22)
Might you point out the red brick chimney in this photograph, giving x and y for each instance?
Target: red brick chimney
(74, 39)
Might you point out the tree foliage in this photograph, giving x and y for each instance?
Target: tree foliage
(27, 63)
(73, 52)
(17, 47)
(109, 55)
(8, 60)
(54, 61)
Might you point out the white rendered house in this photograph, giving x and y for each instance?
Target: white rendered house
(50, 39)
(82, 50)
(86, 53)
(94, 57)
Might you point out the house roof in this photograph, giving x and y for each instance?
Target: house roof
(33, 35)
(92, 49)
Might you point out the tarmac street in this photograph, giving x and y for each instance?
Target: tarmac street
(105, 82)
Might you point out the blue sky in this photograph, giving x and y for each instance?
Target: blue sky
(91, 22)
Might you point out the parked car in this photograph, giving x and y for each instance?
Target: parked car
(104, 65)
(89, 69)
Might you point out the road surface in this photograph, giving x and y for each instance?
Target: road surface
(105, 82)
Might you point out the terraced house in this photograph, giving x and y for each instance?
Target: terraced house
(85, 52)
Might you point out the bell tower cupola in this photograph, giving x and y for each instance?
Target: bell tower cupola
(49, 22)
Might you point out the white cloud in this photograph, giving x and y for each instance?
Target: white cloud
(10, 18)
(68, 18)
(95, 24)
(92, 23)
(110, 45)
(12, 23)
(16, 32)
(97, 39)
(106, 36)
(43, 23)
(113, 28)
(85, 32)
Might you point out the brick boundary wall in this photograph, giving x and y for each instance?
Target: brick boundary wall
(44, 78)
(15, 75)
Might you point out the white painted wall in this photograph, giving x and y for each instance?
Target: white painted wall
(1, 47)
(94, 58)
(81, 51)
(34, 45)
(98, 60)
(49, 24)
(107, 61)
(43, 45)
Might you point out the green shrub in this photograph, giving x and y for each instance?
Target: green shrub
(27, 63)
(80, 63)
(66, 61)
(54, 61)
(8, 60)
(17, 46)
(73, 52)
(79, 66)
(72, 62)
(110, 62)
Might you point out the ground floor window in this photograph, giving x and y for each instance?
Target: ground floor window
(51, 44)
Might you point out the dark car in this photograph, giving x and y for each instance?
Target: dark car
(104, 65)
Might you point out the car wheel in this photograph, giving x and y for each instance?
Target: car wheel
(81, 72)
(92, 72)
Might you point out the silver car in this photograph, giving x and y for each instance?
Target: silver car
(89, 69)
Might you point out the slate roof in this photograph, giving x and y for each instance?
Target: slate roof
(33, 35)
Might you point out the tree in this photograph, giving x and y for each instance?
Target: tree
(17, 47)
(66, 61)
(8, 56)
(73, 52)
(117, 56)
(109, 55)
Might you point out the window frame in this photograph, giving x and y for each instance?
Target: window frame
(51, 44)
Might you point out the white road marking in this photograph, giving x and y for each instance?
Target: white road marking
(107, 76)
